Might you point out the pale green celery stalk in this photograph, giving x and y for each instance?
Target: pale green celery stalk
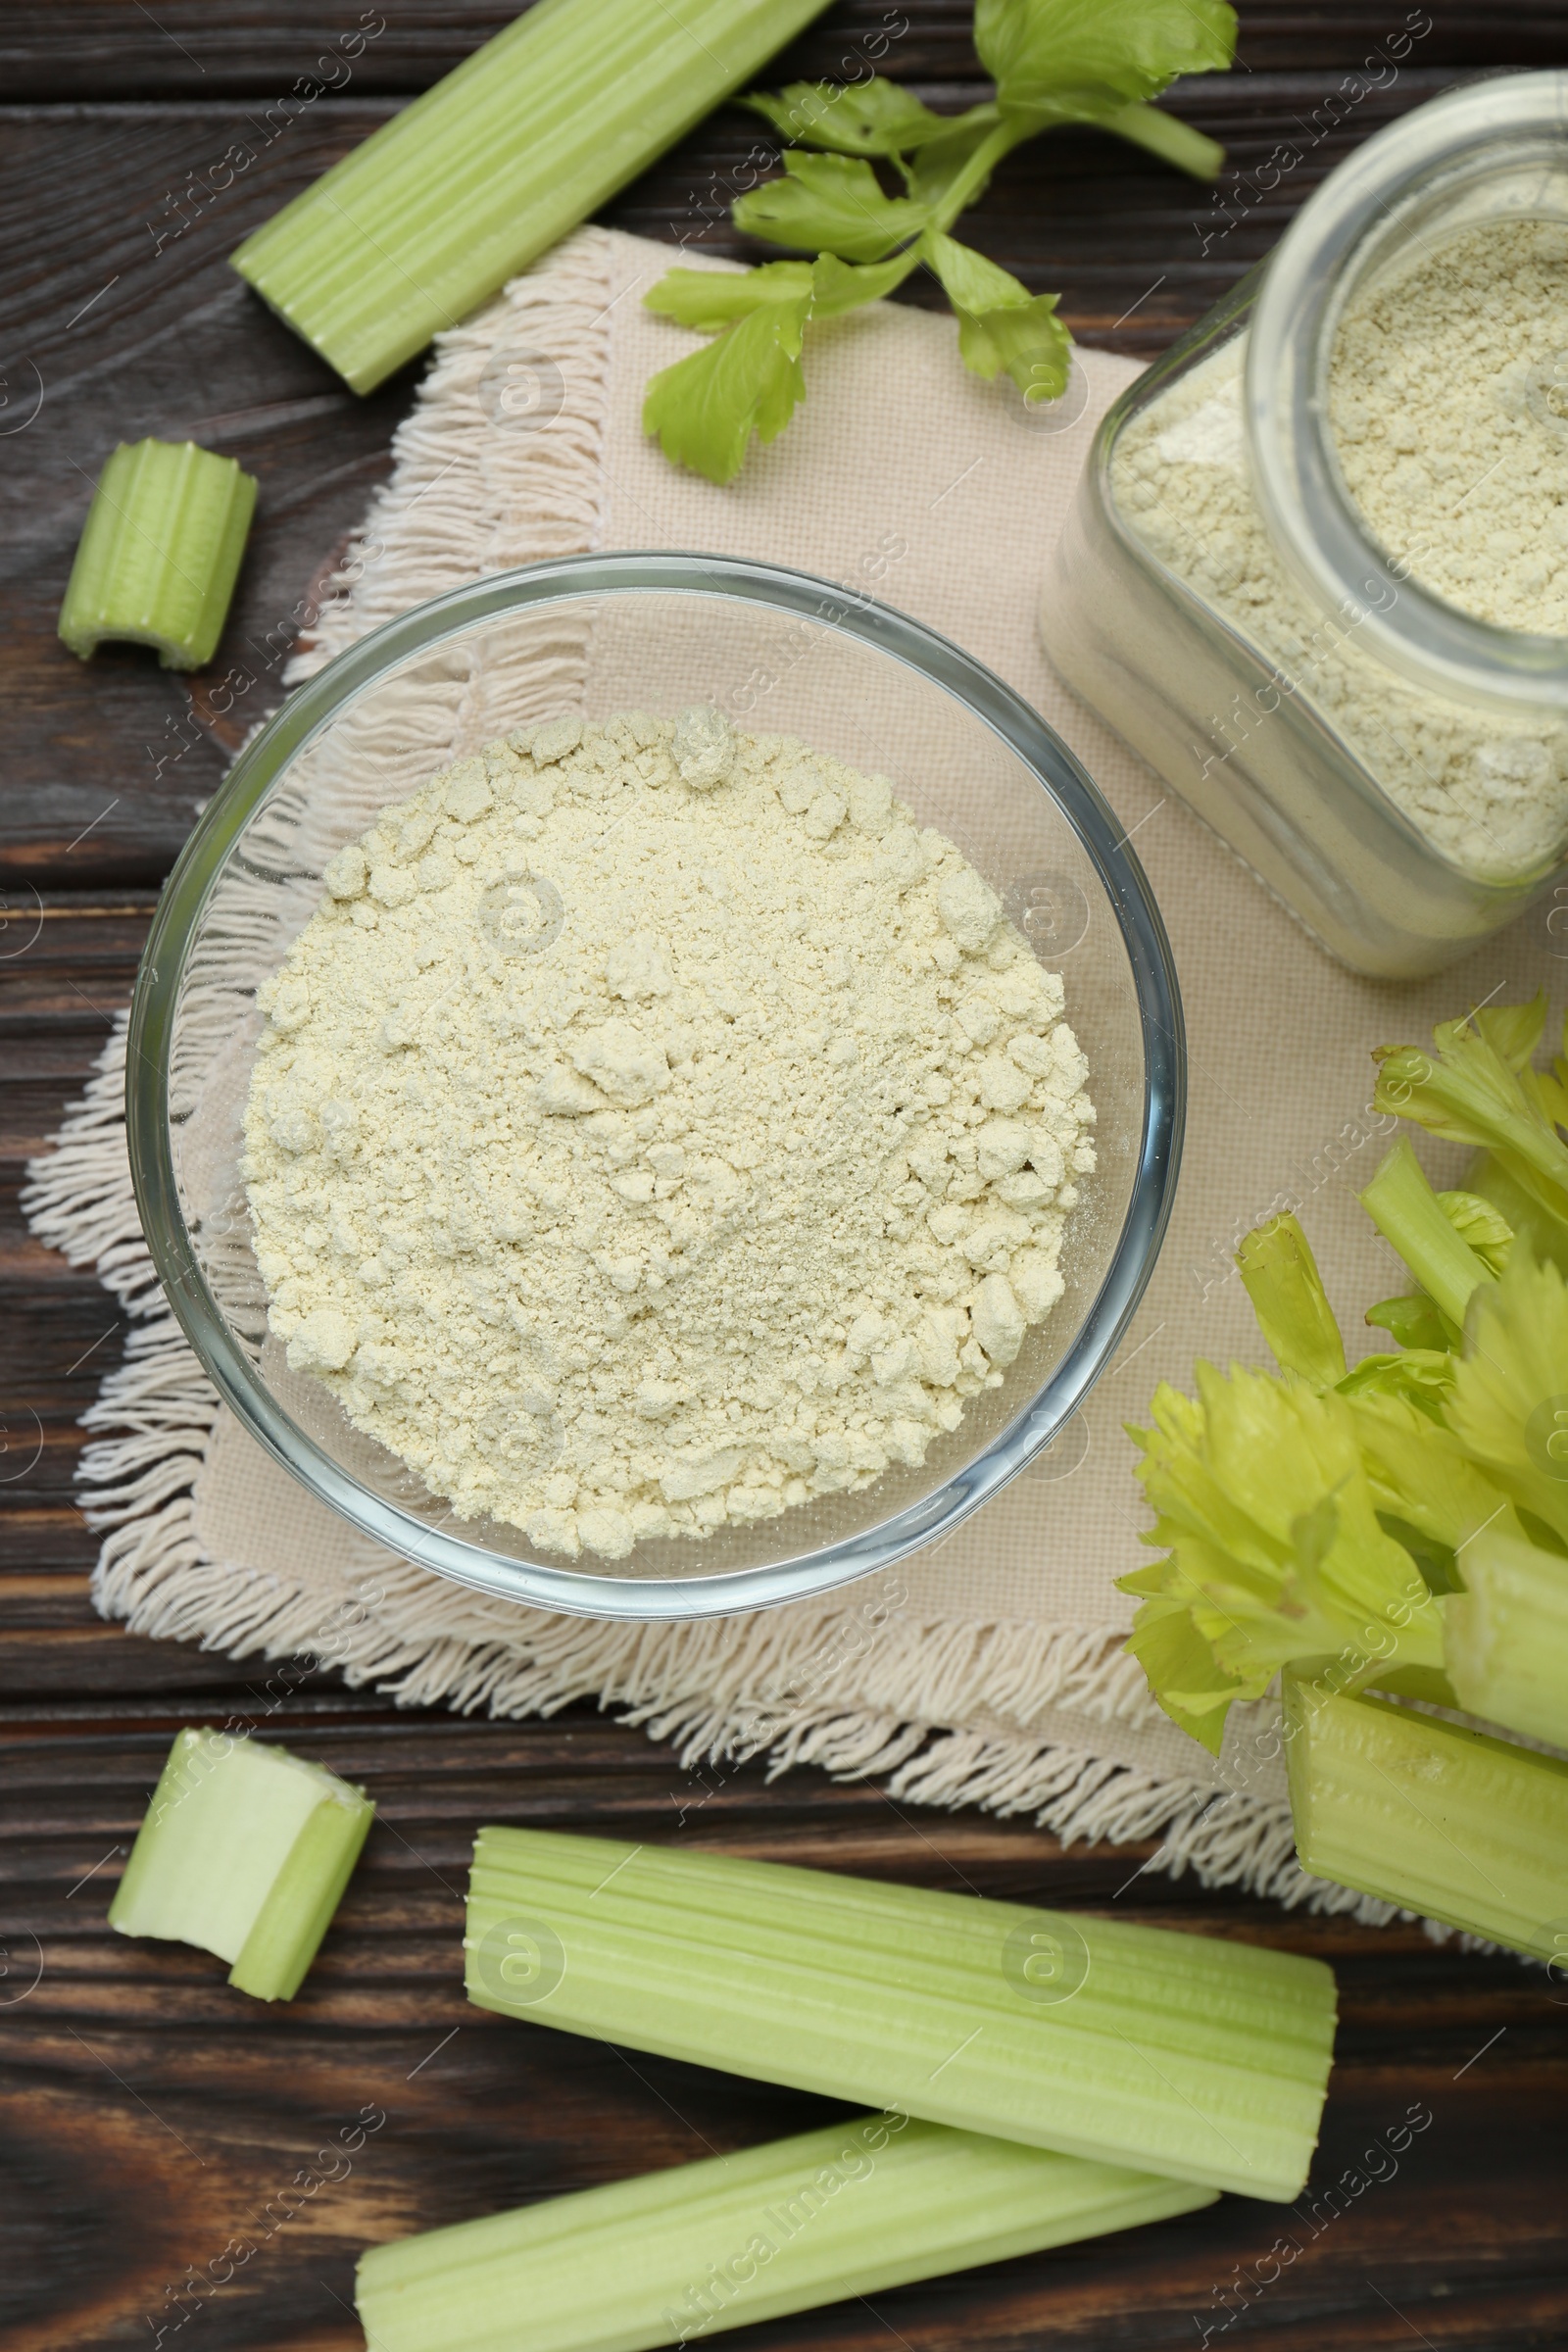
(527, 138)
(867, 2204)
(160, 553)
(1179, 2054)
(1171, 139)
(1407, 1212)
(1281, 1279)
(1506, 1636)
(1429, 1815)
(245, 1852)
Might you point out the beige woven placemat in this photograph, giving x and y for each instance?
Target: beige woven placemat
(988, 1669)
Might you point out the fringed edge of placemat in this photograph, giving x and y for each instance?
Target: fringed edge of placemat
(720, 1693)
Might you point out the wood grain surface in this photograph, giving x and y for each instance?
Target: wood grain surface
(160, 2131)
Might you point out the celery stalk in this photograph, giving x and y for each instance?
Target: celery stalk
(1170, 138)
(866, 2204)
(1407, 1212)
(1179, 2053)
(245, 1851)
(1506, 1636)
(160, 553)
(1280, 1276)
(529, 136)
(1427, 1814)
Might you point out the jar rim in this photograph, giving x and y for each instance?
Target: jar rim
(1355, 220)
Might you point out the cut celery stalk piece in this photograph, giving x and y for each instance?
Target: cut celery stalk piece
(160, 553)
(1407, 1212)
(1506, 1636)
(1180, 2054)
(1280, 1276)
(869, 2203)
(1429, 1815)
(244, 1852)
(529, 136)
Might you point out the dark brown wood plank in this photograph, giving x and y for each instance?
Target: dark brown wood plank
(88, 48)
(143, 2092)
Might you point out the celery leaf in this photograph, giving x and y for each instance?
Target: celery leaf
(829, 204)
(868, 117)
(706, 408)
(1411, 1319)
(1277, 1552)
(1481, 1225)
(1510, 1407)
(1073, 60)
(1001, 325)
(838, 286)
(713, 299)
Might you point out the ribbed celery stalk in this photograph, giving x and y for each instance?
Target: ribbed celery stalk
(1203, 2059)
(866, 2204)
(245, 1851)
(527, 138)
(1429, 1815)
(160, 551)
(1506, 1636)
(1407, 1212)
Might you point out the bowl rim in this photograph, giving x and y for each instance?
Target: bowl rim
(1053, 767)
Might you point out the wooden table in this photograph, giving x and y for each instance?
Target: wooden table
(152, 2116)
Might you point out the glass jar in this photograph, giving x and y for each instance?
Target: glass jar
(1391, 766)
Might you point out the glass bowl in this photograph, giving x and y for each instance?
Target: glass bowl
(782, 654)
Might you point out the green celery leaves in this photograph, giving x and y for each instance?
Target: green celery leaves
(871, 118)
(1001, 325)
(1054, 61)
(829, 204)
(705, 409)
(1323, 1519)
(1073, 60)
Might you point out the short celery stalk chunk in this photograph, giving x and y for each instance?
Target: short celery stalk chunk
(439, 207)
(245, 1852)
(160, 553)
(1506, 1636)
(1179, 2054)
(1427, 1814)
(866, 2204)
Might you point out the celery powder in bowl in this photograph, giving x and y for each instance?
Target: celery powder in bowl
(673, 1158)
(654, 1128)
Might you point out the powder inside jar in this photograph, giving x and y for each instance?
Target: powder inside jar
(1449, 402)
